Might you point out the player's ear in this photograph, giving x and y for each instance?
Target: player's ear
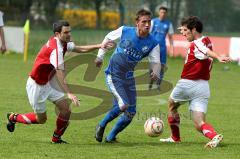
(194, 30)
(56, 33)
(136, 22)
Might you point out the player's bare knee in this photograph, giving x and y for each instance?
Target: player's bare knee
(63, 106)
(197, 126)
(172, 106)
(42, 120)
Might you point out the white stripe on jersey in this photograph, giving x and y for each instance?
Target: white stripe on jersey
(200, 50)
(56, 56)
(114, 91)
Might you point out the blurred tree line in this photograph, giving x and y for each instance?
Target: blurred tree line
(217, 15)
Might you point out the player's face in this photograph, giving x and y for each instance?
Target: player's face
(65, 35)
(162, 13)
(143, 25)
(187, 33)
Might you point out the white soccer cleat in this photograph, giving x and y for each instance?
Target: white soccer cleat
(169, 140)
(215, 141)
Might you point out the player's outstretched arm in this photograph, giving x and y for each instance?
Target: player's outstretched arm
(222, 59)
(88, 48)
(113, 36)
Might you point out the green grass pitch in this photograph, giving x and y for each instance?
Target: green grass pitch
(34, 141)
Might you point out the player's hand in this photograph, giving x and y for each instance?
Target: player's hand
(224, 59)
(74, 99)
(153, 76)
(108, 45)
(98, 62)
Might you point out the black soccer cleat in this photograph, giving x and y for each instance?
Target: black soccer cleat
(99, 133)
(11, 123)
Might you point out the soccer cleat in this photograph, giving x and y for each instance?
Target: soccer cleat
(11, 121)
(169, 140)
(215, 141)
(111, 141)
(58, 140)
(99, 133)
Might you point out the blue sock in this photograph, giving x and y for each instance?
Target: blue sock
(121, 124)
(112, 114)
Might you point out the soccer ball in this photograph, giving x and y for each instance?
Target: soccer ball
(153, 127)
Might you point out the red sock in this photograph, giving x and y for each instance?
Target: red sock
(29, 118)
(62, 124)
(174, 121)
(208, 131)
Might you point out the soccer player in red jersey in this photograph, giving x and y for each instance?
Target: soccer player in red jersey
(193, 87)
(49, 66)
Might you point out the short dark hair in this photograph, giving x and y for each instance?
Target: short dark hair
(143, 12)
(57, 26)
(163, 8)
(192, 22)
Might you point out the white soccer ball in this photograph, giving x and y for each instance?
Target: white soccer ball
(153, 127)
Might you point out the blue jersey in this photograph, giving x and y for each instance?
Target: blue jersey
(129, 51)
(160, 28)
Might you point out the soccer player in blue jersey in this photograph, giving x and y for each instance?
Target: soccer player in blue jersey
(160, 28)
(134, 43)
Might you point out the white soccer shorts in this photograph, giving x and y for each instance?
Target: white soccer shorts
(38, 94)
(196, 92)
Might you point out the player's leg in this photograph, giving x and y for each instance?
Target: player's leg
(37, 100)
(112, 114)
(63, 111)
(62, 121)
(198, 110)
(127, 116)
(119, 105)
(124, 120)
(173, 121)
(27, 118)
(178, 96)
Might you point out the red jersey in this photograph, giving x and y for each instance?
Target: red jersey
(49, 58)
(197, 64)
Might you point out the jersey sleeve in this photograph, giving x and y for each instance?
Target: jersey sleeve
(170, 30)
(200, 50)
(113, 36)
(154, 60)
(56, 58)
(70, 46)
